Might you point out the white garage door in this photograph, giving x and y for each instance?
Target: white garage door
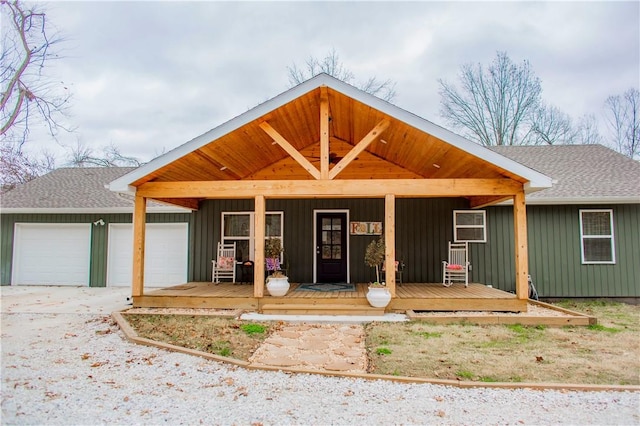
(51, 253)
(165, 257)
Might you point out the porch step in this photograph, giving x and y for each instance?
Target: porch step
(319, 309)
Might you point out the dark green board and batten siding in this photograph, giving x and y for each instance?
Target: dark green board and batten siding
(555, 262)
(423, 227)
(99, 237)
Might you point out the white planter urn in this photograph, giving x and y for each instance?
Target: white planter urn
(378, 297)
(278, 286)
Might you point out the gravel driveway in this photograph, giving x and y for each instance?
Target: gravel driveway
(64, 362)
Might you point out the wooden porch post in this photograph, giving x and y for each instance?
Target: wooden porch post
(520, 228)
(258, 271)
(390, 242)
(139, 225)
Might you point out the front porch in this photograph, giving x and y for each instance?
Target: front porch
(413, 296)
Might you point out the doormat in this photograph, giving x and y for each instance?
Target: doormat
(326, 287)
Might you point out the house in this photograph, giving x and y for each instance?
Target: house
(385, 172)
(311, 166)
(66, 228)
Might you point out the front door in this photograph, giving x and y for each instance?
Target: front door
(331, 247)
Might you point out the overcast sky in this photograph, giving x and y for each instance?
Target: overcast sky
(149, 76)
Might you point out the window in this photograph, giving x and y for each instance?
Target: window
(238, 227)
(469, 226)
(332, 238)
(596, 234)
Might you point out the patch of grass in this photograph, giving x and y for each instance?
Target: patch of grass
(464, 374)
(517, 328)
(253, 328)
(429, 335)
(384, 351)
(600, 327)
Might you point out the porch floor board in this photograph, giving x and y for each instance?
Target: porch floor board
(409, 296)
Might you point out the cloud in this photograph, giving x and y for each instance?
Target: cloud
(148, 76)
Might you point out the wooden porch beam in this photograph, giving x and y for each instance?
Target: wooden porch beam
(324, 133)
(367, 188)
(258, 255)
(390, 242)
(520, 232)
(139, 225)
(361, 146)
(290, 149)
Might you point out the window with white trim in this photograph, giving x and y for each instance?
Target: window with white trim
(238, 227)
(470, 226)
(596, 236)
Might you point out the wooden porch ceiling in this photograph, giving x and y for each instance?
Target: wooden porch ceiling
(398, 151)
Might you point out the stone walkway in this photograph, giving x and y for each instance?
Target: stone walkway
(318, 347)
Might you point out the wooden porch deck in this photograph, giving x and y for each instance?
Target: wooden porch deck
(416, 297)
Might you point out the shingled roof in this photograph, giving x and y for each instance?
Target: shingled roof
(72, 190)
(582, 174)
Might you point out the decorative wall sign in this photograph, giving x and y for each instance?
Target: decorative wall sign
(366, 228)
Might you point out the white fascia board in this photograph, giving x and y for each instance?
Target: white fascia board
(122, 184)
(70, 210)
(536, 180)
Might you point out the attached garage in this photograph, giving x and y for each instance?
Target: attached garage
(166, 259)
(51, 254)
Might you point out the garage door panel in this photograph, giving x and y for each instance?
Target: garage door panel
(51, 254)
(165, 254)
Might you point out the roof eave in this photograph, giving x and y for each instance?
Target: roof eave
(555, 201)
(92, 210)
(123, 184)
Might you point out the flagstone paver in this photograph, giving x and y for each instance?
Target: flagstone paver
(320, 347)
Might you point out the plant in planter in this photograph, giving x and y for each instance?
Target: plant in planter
(378, 295)
(277, 282)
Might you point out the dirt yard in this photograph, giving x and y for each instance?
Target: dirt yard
(606, 353)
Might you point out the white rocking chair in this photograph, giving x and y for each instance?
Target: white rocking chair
(224, 266)
(456, 269)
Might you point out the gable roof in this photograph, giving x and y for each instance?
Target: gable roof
(582, 174)
(73, 190)
(411, 147)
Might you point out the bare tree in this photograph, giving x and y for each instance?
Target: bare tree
(551, 126)
(28, 96)
(84, 156)
(16, 166)
(495, 105)
(588, 133)
(331, 65)
(623, 117)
